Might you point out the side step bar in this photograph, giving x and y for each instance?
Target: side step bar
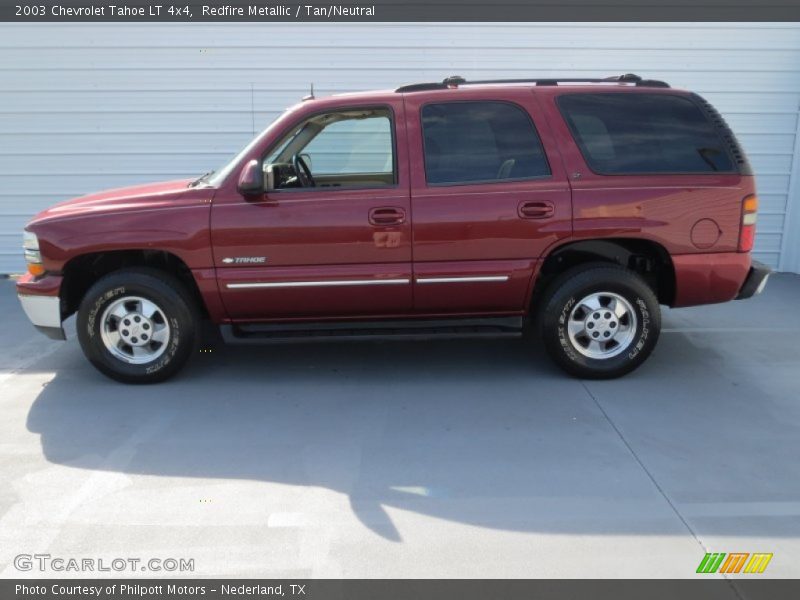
(399, 329)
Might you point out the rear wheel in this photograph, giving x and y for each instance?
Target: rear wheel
(599, 321)
(137, 325)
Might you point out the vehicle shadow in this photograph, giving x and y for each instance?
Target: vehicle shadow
(487, 433)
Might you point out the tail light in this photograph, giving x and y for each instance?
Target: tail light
(747, 233)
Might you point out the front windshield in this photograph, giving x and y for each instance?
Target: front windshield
(215, 178)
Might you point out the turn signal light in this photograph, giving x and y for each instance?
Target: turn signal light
(747, 233)
(30, 245)
(36, 269)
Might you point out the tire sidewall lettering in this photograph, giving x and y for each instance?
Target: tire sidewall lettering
(644, 317)
(174, 344)
(102, 300)
(563, 338)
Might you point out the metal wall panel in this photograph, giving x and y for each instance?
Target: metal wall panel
(85, 107)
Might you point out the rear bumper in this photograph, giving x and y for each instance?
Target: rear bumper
(42, 304)
(709, 278)
(755, 282)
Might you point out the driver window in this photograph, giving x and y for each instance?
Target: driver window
(352, 148)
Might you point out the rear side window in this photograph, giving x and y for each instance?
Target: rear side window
(627, 134)
(470, 142)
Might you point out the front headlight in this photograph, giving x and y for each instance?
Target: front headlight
(30, 244)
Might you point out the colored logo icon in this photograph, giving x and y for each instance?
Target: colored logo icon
(735, 562)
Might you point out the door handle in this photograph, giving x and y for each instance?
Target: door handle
(387, 215)
(536, 210)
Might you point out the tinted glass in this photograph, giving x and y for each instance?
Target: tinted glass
(353, 146)
(644, 133)
(480, 141)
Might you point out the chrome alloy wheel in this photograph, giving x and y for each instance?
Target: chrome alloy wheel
(135, 330)
(602, 325)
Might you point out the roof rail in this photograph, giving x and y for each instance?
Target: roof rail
(456, 81)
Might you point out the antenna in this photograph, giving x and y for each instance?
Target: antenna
(310, 95)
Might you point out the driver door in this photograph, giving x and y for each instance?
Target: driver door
(338, 247)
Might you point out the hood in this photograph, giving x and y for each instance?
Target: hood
(137, 197)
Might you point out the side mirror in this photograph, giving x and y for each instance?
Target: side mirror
(251, 179)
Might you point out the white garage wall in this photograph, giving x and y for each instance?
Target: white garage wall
(86, 107)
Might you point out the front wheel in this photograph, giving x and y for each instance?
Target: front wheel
(137, 325)
(600, 321)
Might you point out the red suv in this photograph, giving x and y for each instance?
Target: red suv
(460, 208)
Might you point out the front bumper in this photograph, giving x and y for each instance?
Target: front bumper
(755, 282)
(41, 302)
(45, 314)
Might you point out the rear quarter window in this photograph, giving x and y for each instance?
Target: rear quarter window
(633, 134)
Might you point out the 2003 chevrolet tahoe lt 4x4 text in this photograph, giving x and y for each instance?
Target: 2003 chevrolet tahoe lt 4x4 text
(453, 208)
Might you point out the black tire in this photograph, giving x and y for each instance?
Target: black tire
(572, 287)
(179, 312)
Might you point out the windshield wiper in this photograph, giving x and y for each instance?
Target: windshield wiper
(200, 179)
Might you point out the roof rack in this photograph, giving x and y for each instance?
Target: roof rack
(455, 81)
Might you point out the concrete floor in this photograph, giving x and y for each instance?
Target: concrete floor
(439, 459)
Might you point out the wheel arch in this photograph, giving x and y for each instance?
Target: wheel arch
(649, 259)
(82, 271)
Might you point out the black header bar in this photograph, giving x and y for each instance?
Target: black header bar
(715, 588)
(254, 11)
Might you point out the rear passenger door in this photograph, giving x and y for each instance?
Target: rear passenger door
(489, 196)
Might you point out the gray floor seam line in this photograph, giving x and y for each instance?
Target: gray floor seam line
(655, 483)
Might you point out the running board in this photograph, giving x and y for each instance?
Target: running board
(405, 329)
